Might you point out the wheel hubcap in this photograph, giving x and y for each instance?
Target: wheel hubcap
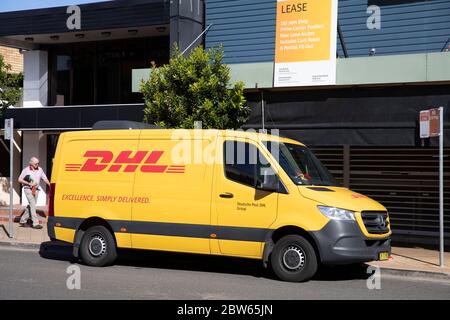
(97, 246)
(293, 258)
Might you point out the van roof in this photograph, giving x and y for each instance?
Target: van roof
(259, 136)
(254, 135)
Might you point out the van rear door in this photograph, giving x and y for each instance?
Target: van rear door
(95, 178)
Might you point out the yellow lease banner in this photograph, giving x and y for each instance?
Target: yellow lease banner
(305, 50)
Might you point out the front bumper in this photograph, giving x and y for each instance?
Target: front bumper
(342, 242)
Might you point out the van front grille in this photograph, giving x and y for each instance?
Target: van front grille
(375, 221)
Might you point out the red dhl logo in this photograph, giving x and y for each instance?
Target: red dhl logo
(358, 196)
(98, 160)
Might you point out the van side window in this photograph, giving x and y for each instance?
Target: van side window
(240, 161)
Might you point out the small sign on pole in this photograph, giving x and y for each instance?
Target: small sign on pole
(8, 128)
(425, 124)
(435, 116)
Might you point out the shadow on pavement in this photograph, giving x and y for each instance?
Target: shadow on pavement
(342, 273)
(140, 259)
(4, 230)
(54, 250)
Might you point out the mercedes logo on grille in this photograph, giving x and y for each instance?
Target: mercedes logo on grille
(381, 221)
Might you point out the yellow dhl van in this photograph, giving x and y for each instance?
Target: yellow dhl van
(228, 193)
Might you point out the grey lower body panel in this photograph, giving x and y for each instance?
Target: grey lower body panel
(342, 242)
(51, 228)
(63, 222)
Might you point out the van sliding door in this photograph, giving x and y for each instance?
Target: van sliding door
(173, 191)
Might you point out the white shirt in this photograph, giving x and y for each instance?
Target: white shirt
(36, 175)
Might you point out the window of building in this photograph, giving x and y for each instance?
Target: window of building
(87, 73)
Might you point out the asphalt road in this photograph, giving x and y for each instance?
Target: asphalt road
(32, 274)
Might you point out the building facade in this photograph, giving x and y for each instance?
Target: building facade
(13, 57)
(79, 62)
(392, 62)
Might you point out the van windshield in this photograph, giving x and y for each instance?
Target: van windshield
(300, 164)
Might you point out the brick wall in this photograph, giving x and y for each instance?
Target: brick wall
(13, 57)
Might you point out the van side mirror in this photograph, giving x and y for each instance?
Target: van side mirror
(267, 180)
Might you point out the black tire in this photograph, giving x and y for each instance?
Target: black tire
(98, 247)
(293, 259)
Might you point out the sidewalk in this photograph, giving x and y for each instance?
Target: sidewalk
(404, 261)
(22, 235)
(415, 260)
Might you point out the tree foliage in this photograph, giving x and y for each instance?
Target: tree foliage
(10, 86)
(194, 88)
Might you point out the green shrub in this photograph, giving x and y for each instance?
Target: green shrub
(11, 84)
(194, 88)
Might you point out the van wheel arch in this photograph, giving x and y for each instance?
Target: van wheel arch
(85, 225)
(279, 233)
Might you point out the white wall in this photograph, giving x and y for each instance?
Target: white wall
(35, 94)
(35, 82)
(35, 145)
(4, 180)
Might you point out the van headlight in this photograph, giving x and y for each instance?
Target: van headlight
(336, 213)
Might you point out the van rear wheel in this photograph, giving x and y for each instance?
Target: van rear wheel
(294, 259)
(97, 247)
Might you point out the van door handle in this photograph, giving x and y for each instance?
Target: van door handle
(227, 195)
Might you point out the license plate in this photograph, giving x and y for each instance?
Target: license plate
(383, 256)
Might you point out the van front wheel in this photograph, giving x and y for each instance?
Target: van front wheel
(294, 259)
(98, 247)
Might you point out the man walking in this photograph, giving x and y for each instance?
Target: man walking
(30, 178)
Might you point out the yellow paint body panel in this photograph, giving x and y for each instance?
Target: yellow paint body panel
(151, 187)
(247, 249)
(170, 243)
(346, 199)
(181, 195)
(123, 240)
(64, 234)
(81, 194)
(249, 208)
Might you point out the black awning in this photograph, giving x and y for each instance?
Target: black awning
(381, 116)
(72, 117)
(94, 16)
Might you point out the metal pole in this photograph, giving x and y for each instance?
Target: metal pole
(195, 40)
(11, 170)
(262, 111)
(441, 187)
(341, 38)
